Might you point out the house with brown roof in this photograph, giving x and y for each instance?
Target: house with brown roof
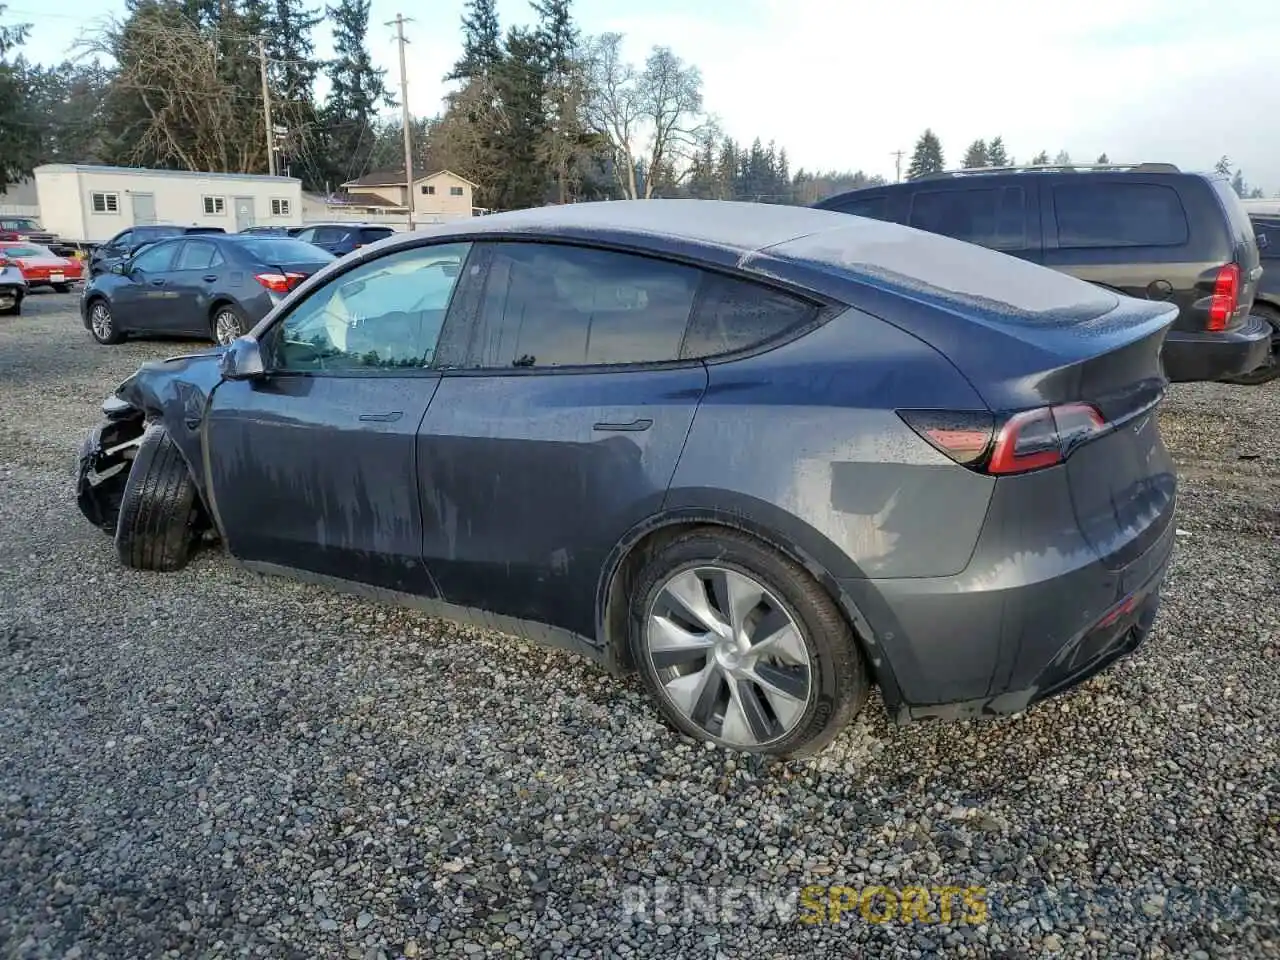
(436, 197)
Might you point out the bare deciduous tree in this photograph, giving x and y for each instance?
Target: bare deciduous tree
(651, 118)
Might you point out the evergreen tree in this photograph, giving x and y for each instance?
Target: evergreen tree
(481, 41)
(19, 139)
(519, 84)
(1063, 159)
(1040, 159)
(1102, 159)
(557, 36)
(1237, 184)
(927, 157)
(996, 155)
(976, 155)
(357, 89)
(1223, 166)
(292, 67)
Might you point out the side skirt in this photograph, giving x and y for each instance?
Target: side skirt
(540, 633)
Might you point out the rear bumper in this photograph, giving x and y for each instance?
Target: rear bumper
(1196, 355)
(1006, 634)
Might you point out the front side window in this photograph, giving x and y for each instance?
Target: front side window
(155, 259)
(1119, 215)
(548, 305)
(383, 315)
(992, 217)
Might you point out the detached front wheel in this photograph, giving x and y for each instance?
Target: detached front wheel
(158, 511)
(742, 647)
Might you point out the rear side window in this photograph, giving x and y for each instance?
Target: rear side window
(1119, 215)
(735, 315)
(279, 251)
(332, 234)
(548, 305)
(197, 255)
(372, 234)
(993, 217)
(877, 208)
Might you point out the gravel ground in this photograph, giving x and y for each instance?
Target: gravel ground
(213, 764)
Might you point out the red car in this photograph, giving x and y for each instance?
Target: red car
(41, 266)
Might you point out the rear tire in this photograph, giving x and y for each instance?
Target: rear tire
(227, 323)
(156, 527)
(710, 689)
(1270, 370)
(14, 311)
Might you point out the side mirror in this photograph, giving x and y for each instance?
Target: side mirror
(118, 268)
(1263, 242)
(243, 360)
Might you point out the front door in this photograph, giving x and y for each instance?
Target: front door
(314, 466)
(144, 208)
(244, 213)
(561, 430)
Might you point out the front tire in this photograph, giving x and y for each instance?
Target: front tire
(156, 526)
(102, 323)
(14, 311)
(742, 647)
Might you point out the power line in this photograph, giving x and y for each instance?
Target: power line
(897, 164)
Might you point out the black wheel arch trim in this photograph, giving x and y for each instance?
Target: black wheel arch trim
(805, 547)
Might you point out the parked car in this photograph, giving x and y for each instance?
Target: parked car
(1266, 301)
(29, 229)
(342, 238)
(126, 243)
(765, 455)
(272, 231)
(13, 288)
(214, 285)
(41, 267)
(1146, 230)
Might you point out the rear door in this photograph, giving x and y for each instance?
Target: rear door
(196, 271)
(561, 416)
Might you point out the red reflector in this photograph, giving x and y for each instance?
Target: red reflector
(280, 282)
(963, 435)
(1226, 296)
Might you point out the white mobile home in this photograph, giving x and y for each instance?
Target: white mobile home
(93, 203)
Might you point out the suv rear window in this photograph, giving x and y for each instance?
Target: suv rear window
(1119, 215)
(370, 234)
(995, 217)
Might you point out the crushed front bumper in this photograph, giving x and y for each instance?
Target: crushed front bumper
(103, 464)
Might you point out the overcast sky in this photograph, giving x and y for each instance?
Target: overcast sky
(842, 85)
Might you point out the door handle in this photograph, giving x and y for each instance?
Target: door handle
(157, 283)
(633, 426)
(210, 277)
(391, 417)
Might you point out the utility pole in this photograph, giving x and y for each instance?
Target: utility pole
(400, 21)
(266, 109)
(897, 164)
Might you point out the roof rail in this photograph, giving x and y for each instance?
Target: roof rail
(1056, 168)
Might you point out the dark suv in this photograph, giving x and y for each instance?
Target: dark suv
(342, 238)
(1148, 230)
(128, 242)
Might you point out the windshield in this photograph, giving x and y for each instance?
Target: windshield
(20, 225)
(30, 250)
(281, 251)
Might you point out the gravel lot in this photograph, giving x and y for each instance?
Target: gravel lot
(215, 764)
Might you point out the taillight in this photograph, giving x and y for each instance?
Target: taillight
(1226, 296)
(1030, 440)
(5, 262)
(280, 282)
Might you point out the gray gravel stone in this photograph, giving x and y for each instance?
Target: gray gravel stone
(213, 764)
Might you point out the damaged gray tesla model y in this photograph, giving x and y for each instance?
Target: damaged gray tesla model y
(764, 456)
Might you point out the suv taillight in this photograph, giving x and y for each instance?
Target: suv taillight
(1226, 296)
(1030, 440)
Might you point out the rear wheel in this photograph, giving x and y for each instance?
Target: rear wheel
(158, 512)
(742, 647)
(13, 311)
(1271, 369)
(227, 324)
(102, 324)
